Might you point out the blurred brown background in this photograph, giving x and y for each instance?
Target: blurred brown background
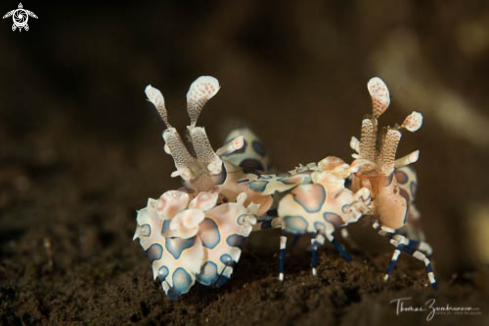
(81, 148)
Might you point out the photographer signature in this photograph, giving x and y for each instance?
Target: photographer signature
(431, 309)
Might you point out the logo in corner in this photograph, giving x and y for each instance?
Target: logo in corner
(20, 17)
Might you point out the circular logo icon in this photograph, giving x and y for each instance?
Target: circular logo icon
(20, 17)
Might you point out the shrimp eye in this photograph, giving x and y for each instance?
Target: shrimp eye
(219, 179)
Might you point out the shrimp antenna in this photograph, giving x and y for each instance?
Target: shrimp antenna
(201, 90)
(174, 145)
(156, 98)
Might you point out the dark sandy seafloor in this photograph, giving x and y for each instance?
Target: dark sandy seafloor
(81, 151)
(67, 256)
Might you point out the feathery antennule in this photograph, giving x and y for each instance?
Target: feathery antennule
(154, 96)
(200, 91)
(181, 156)
(379, 94)
(388, 151)
(203, 149)
(413, 122)
(368, 139)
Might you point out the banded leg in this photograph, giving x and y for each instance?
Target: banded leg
(388, 233)
(338, 247)
(429, 270)
(314, 248)
(408, 246)
(392, 264)
(419, 245)
(283, 244)
(422, 246)
(402, 243)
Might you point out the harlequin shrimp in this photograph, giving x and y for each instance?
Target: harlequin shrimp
(391, 183)
(316, 202)
(194, 234)
(311, 202)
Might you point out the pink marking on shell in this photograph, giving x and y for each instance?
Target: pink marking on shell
(192, 217)
(329, 163)
(295, 179)
(204, 201)
(401, 177)
(324, 178)
(186, 223)
(265, 202)
(335, 219)
(311, 197)
(171, 203)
